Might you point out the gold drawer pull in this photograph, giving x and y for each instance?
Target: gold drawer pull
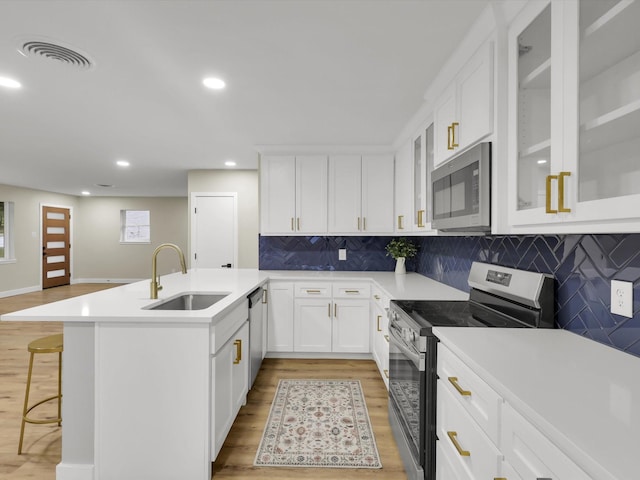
(378, 326)
(454, 382)
(454, 440)
(352, 292)
(386, 373)
(313, 291)
(377, 297)
(499, 478)
(238, 344)
(386, 337)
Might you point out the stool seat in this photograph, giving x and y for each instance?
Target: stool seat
(49, 344)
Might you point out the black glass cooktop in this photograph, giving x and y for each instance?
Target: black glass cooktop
(434, 313)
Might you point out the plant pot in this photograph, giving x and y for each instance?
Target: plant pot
(400, 266)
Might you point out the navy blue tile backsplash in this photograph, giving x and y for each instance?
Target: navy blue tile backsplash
(583, 266)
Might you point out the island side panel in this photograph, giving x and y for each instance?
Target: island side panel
(78, 376)
(153, 401)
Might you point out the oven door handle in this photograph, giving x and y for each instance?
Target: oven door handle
(415, 357)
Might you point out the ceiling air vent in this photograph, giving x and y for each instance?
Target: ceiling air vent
(53, 51)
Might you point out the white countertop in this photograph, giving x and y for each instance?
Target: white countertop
(582, 394)
(126, 303)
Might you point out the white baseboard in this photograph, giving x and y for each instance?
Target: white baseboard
(106, 280)
(20, 291)
(74, 471)
(321, 355)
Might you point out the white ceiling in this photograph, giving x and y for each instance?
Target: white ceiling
(298, 72)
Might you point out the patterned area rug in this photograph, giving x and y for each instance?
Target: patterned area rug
(318, 423)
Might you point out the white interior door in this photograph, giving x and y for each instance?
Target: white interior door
(214, 230)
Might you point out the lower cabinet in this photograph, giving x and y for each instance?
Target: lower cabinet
(380, 333)
(280, 317)
(480, 435)
(230, 370)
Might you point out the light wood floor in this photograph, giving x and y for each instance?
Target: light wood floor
(42, 444)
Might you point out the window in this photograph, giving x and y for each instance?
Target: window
(6, 231)
(135, 226)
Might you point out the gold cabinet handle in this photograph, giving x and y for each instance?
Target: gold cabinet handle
(454, 440)
(298, 223)
(352, 292)
(550, 178)
(420, 218)
(335, 310)
(561, 207)
(454, 143)
(378, 326)
(364, 224)
(386, 373)
(386, 337)
(454, 382)
(329, 310)
(358, 223)
(377, 297)
(264, 296)
(238, 344)
(449, 147)
(313, 291)
(293, 228)
(499, 478)
(400, 222)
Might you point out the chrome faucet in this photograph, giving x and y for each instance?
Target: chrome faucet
(155, 278)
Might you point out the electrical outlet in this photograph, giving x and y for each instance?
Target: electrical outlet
(342, 254)
(622, 298)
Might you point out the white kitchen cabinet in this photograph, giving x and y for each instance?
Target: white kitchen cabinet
(414, 164)
(293, 194)
(463, 113)
(573, 143)
(230, 369)
(280, 316)
(361, 194)
(331, 317)
(380, 332)
(313, 325)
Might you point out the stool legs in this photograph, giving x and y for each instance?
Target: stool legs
(26, 409)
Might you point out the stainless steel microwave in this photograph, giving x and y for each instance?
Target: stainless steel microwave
(461, 190)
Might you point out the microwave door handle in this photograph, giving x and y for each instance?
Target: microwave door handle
(398, 342)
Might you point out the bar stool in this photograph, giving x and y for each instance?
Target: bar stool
(50, 344)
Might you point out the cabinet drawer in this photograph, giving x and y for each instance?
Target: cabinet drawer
(475, 396)
(531, 454)
(222, 330)
(462, 440)
(351, 290)
(380, 299)
(447, 467)
(312, 290)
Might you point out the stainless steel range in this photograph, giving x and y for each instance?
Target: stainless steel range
(499, 297)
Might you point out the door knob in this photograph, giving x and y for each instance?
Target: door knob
(226, 265)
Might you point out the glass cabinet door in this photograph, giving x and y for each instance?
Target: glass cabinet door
(609, 99)
(534, 111)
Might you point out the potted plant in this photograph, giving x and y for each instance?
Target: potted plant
(401, 249)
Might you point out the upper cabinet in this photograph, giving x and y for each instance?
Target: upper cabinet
(293, 194)
(574, 105)
(414, 164)
(361, 194)
(463, 113)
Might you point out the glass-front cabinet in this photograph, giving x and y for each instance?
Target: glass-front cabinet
(574, 105)
(413, 173)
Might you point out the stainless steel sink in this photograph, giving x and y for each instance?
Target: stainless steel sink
(188, 301)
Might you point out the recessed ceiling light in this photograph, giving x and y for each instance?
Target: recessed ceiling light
(85, 192)
(542, 162)
(9, 83)
(230, 163)
(214, 83)
(122, 163)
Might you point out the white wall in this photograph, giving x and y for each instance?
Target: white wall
(24, 274)
(245, 184)
(100, 256)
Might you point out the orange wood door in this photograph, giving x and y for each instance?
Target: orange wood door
(56, 247)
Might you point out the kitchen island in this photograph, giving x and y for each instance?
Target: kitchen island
(139, 383)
